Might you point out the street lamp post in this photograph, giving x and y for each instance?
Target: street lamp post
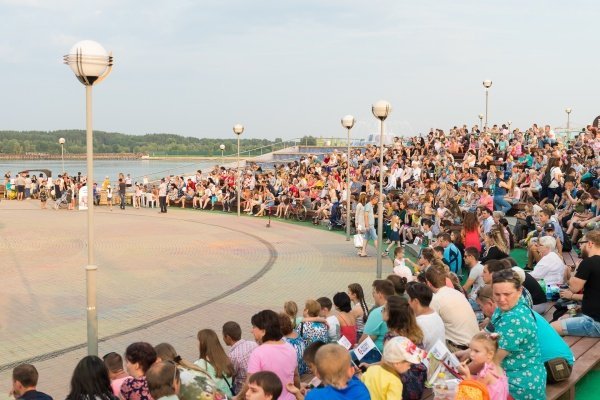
(348, 123)
(238, 130)
(91, 63)
(380, 110)
(222, 147)
(486, 84)
(568, 111)
(480, 121)
(62, 152)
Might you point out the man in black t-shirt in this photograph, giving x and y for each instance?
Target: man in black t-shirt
(24, 383)
(587, 278)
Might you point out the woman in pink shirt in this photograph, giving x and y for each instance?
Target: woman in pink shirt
(486, 200)
(273, 353)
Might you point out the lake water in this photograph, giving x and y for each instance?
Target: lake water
(153, 169)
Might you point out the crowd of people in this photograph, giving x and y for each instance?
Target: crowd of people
(449, 193)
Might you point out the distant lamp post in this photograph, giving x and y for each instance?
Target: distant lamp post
(568, 111)
(480, 121)
(380, 110)
(91, 63)
(222, 147)
(348, 123)
(61, 141)
(509, 125)
(238, 130)
(487, 84)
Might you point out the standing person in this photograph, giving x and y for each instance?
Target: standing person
(369, 221)
(20, 187)
(24, 383)
(359, 215)
(162, 195)
(587, 277)
(239, 352)
(214, 360)
(109, 197)
(470, 231)
(90, 381)
(518, 349)
(273, 353)
(43, 196)
(122, 189)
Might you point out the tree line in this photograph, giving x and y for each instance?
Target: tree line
(157, 144)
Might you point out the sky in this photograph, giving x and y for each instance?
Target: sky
(289, 68)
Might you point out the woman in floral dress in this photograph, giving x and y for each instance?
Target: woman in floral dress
(518, 350)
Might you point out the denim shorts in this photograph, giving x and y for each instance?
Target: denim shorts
(581, 326)
(370, 234)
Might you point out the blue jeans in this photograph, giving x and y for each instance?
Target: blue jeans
(122, 196)
(581, 325)
(501, 204)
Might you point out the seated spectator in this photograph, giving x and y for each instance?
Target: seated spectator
(337, 374)
(383, 380)
(428, 319)
(264, 385)
(332, 322)
(213, 360)
(116, 373)
(586, 278)
(24, 383)
(454, 309)
(90, 381)
(360, 310)
(140, 356)
(273, 353)
(496, 247)
(474, 280)
(195, 382)
(345, 318)
(163, 381)
(239, 352)
(551, 267)
(399, 284)
(311, 329)
(375, 326)
(292, 337)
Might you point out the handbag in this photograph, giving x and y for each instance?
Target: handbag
(558, 370)
(359, 240)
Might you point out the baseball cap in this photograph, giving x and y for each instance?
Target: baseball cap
(549, 226)
(400, 349)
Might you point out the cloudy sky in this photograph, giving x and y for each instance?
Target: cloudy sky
(288, 68)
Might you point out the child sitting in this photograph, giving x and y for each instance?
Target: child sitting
(383, 380)
(263, 385)
(336, 372)
(483, 348)
(400, 267)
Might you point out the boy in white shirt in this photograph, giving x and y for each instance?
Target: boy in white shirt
(332, 321)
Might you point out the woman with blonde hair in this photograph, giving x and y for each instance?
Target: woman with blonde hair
(291, 310)
(196, 383)
(496, 247)
(215, 361)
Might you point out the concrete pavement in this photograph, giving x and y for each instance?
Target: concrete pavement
(161, 278)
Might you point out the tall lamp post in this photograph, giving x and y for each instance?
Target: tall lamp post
(61, 141)
(568, 111)
(480, 121)
(91, 63)
(238, 130)
(380, 110)
(348, 123)
(486, 84)
(222, 147)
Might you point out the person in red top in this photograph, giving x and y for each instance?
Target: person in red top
(347, 320)
(470, 231)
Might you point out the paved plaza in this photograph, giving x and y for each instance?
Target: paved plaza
(161, 278)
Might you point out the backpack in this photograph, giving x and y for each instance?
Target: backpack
(547, 179)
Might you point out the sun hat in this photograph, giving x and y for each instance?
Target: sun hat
(400, 349)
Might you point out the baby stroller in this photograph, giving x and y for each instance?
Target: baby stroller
(62, 201)
(335, 217)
